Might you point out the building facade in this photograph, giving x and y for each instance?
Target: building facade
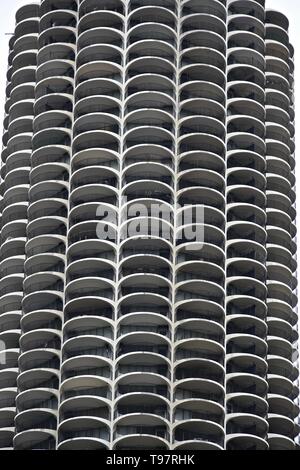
(114, 337)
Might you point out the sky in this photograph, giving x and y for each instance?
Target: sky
(290, 7)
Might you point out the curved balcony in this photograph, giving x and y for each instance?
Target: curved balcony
(35, 440)
(203, 432)
(246, 442)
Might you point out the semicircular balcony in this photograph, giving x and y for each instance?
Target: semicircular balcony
(90, 267)
(25, 12)
(243, 230)
(101, 18)
(246, 433)
(45, 378)
(283, 370)
(214, 8)
(38, 401)
(58, 18)
(89, 305)
(199, 409)
(88, 325)
(278, 327)
(199, 106)
(199, 329)
(202, 38)
(246, 73)
(90, 350)
(53, 89)
(94, 175)
(246, 403)
(151, 48)
(143, 402)
(249, 383)
(56, 32)
(201, 90)
(89, 287)
(243, 267)
(244, 358)
(202, 55)
(246, 40)
(244, 56)
(33, 419)
(280, 347)
(87, 6)
(147, 13)
(244, 90)
(56, 68)
(39, 359)
(149, 153)
(199, 389)
(38, 320)
(282, 274)
(149, 118)
(197, 368)
(35, 439)
(141, 441)
(281, 200)
(141, 426)
(40, 338)
(86, 406)
(100, 35)
(161, 67)
(52, 137)
(103, 158)
(86, 374)
(247, 7)
(96, 105)
(143, 342)
(246, 249)
(85, 249)
(192, 348)
(209, 73)
(50, 5)
(279, 442)
(83, 433)
(282, 386)
(98, 53)
(140, 301)
(203, 21)
(143, 362)
(240, 21)
(52, 119)
(202, 125)
(280, 291)
(281, 405)
(102, 139)
(149, 99)
(282, 425)
(203, 431)
(278, 100)
(150, 379)
(19, 114)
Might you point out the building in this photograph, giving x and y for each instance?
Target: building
(165, 341)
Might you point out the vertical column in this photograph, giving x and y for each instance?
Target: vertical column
(40, 342)
(15, 169)
(199, 315)
(143, 354)
(246, 310)
(89, 314)
(281, 229)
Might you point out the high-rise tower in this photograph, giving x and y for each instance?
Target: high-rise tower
(117, 336)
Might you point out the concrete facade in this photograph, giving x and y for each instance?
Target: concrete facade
(159, 342)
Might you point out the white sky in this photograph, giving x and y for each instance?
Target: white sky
(290, 7)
